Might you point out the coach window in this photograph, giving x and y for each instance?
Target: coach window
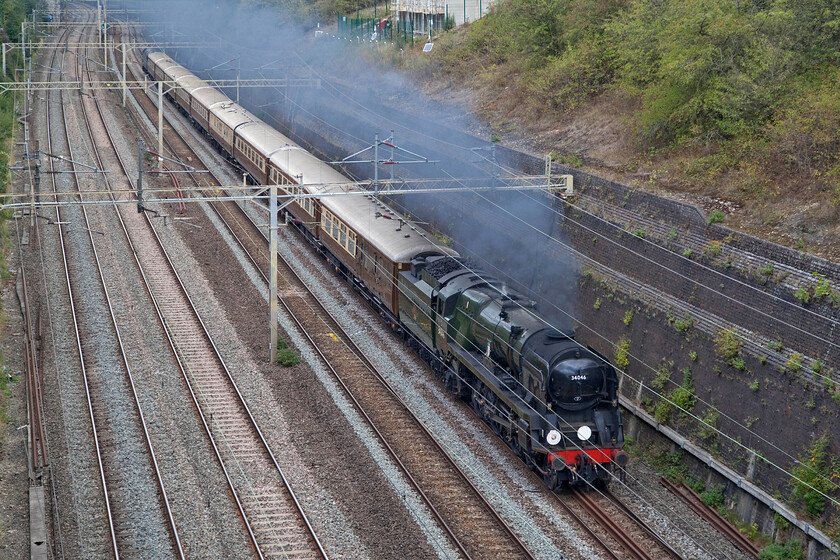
(351, 243)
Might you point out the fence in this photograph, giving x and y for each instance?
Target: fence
(370, 29)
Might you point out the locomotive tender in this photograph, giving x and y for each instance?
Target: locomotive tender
(553, 401)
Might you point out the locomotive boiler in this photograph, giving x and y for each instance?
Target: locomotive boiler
(552, 400)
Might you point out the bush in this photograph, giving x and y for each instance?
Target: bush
(713, 498)
(683, 396)
(286, 357)
(794, 363)
(662, 412)
(715, 217)
(788, 551)
(811, 475)
(728, 344)
(682, 325)
(766, 270)
(803, 295)
(622, 353)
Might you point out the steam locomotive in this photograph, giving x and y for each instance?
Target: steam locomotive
(552, 400)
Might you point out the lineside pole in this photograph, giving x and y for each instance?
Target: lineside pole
(272, 292)
(160, 118)
(125, 86)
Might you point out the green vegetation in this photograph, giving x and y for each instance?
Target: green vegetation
(766, 270)
(712, 91)
(713, 497)
(663, 376)
(728, 347)
(692, 356)
(597, 304)
(713, 248)
(12, 13)
(622, 353)
(628, 317)
(789, 551)
(708, 429)
(683, 396)
(803, 295)
(682, 325)
(715, 217)
(813, 473)
(286, 357)
(794, 363)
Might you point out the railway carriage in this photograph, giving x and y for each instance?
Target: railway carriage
(254, 144)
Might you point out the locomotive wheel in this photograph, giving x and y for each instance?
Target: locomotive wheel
(551, 480)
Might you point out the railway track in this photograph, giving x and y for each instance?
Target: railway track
(694, 501)
(270, 511)
(118, 429)
(625, 527)
(334, 344)
(474, 527)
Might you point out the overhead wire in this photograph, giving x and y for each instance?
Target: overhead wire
(361, 140)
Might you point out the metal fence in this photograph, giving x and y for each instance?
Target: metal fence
(371, 29)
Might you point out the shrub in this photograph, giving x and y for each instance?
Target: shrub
(710, 418)
(682, 325)
(823, 287)
(628, 316)
(713, 497)
(754, 386)
(738, 363)
(687, 253)
(663, 375)
(766, 270)
(788, 551)
(639, 233)
(286, 357)
(692, 356)
(683, 396)
(803, 295)
(662, 412)
(811, 475)
(715, 217)
(622, 353)
(794, 363)
(775, 345)
(728, 344)
(597, 304)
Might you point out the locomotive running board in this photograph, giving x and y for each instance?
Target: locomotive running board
(510, 398)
